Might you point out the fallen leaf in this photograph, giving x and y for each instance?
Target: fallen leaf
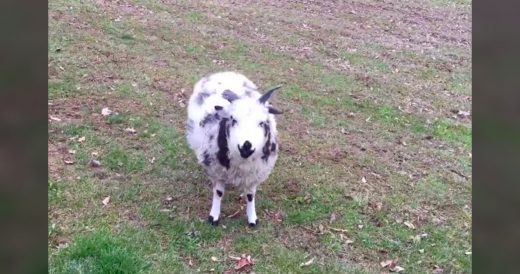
(53, 118)
(437, 269)
(130, 130)
(468, 253)
(152, 160)
(106, 112)
(421, 251)
(95, 163)
(307, 263)
(106, 200)
(409, 225)
(396, 269)
(94, 153)
(320, 228)
(71, 151)
(386, 263)
(462, 113)
(81, 139)
(68, 161)
(234, 257)
(213, 258)
(360, 226)
(244, 263)
(363, 180)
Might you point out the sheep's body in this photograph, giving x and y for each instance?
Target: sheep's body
(218, 150)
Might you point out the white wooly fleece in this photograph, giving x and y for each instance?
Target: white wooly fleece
(233, 134)
(242, 118)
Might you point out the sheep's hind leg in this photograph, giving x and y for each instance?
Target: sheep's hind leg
(251, 211)
(218, 192)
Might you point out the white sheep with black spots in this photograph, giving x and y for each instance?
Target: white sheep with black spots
(232, 129)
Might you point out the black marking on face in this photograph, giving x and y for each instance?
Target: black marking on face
(219, 193)
(266, 149)
(267, 128)
(209, 119)
(223, 132)
(233, 121)
(211, 137)
(217, 108)
(229, 95)
(250, 197)
(201, 97)
(273, 147)
(207, 158)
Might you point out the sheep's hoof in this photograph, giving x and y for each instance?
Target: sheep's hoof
(211, 221)
(254, 224)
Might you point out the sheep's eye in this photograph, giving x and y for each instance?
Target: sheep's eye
(233, 122)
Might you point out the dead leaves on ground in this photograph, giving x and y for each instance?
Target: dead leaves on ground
(106, 201)
(243, 263)
(391, 265)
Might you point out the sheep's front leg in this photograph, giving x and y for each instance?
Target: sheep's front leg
(251, 211)
(218, 192)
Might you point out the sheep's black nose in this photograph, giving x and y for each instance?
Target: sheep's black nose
(245, 150)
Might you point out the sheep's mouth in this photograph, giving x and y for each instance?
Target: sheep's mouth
(245, 153)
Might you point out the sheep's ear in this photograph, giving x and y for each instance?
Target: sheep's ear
(268, 94)
(217, 108)
(272, 110)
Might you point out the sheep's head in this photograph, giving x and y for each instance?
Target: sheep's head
(247, 126)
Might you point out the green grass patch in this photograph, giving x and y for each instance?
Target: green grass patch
(99, 252)
(62, 88)
(454, 133)
(195, 17)
(119, 159)
(54, 192)
(370, 64)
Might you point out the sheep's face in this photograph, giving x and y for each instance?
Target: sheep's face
(249, 128)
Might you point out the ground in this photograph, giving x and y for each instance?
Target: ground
(375, 141)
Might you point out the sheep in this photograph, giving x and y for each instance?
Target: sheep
(232, 130)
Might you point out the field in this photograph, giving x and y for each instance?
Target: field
(375, 142)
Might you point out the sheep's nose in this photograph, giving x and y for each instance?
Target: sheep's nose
(245, 150)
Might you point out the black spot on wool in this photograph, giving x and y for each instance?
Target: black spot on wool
(219, 193)
(207, 159)
(267, 128)
(250, 197)
(273, 147)
(209, 119)
(229, 95)
(201, 97)
(222, 154)
(266, 149)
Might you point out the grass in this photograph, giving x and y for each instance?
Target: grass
(100, 252)
(367, 140)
